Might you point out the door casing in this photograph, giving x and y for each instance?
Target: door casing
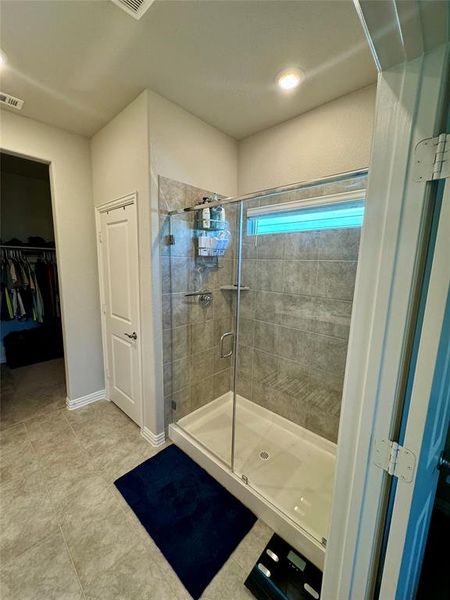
(410, 96)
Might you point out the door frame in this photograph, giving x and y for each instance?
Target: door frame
(120, 202)
(409, 100)
(46, 161)
(426, 424)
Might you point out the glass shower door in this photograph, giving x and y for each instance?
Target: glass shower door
(197, 261)
(296, 268)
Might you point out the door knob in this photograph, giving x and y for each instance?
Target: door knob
(132, 336)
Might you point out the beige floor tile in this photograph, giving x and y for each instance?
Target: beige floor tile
(19, 463)
(62, 470)
(134, 576)
(64, 522)
(121, 460)
(43, 572)
(78, 494)
(98, 537)
(30, 391)
(32, 377)
(12, 438)
(27, 514)
(228, 584)
(178, 590)
(18, 407)
(49, 428)
(105, 413)
(248, 551)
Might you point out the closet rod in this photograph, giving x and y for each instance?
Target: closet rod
(44, 248)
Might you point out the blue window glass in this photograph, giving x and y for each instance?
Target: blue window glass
(333, 216)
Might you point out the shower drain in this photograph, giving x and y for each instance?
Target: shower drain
(264, 455)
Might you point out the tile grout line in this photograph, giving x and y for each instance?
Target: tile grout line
(41, 541)
(71, 560)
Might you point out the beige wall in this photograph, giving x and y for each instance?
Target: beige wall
(186, 149)
(120, 154)
(70, 176)
(332, 138)
(120, 166)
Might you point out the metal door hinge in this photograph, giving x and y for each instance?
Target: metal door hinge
(432, 160)
(395, 460)
(244, 479)
(100, 238)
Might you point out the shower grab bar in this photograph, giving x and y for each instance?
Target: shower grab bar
(222, 355)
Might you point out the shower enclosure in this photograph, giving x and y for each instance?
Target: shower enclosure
(257, 301)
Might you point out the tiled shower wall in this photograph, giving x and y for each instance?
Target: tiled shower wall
(295, 318)
(194, 373)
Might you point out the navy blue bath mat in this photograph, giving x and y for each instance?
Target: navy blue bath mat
(194, 520)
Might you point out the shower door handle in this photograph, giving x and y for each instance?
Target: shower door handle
(225, 335)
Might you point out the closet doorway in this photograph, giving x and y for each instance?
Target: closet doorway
(32, 357)
(119, 288)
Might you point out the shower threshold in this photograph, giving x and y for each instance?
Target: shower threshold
(282, 471)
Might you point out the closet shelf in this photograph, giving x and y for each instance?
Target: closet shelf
(43, 248)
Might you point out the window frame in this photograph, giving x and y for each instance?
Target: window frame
(343, 198)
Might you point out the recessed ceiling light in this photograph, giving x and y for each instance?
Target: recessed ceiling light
(289, 79)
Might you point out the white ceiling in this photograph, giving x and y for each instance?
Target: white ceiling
(77, 63)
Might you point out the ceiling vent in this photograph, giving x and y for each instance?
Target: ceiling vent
(10, 101)
(135, 8)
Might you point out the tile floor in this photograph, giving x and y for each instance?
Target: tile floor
(65, 532)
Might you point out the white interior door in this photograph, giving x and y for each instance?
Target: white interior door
(119, 251)
(426, 428)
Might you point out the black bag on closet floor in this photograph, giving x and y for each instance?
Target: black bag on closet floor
(33, 345)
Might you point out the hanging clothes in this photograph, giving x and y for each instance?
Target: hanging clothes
(29, 286)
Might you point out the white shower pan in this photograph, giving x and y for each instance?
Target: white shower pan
(283, 472)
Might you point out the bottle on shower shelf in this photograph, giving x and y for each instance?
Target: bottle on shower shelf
(206, 215)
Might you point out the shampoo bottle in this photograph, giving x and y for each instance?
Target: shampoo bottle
(206, 215)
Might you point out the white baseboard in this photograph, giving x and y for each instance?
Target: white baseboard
(84, 400)
(154, 440)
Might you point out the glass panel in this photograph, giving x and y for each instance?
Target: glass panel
(295, 302)
(197, 282)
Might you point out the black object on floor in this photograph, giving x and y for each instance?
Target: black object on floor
(31, 346)
(282, 573)
(195, 522)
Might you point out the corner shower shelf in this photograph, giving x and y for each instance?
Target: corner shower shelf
(234, 288)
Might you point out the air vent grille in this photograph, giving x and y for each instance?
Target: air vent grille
(11, 101)
(135, 8)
